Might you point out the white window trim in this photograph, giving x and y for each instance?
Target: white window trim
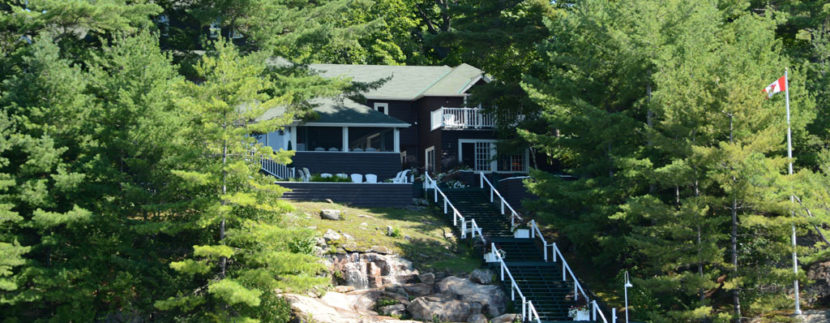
(426, 158)
(494, 164)
(384, 105)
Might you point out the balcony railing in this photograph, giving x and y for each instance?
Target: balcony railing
(462, 118)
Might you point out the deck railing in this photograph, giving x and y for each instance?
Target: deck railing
(502, 201)
(456, 215)
(276, 169)
(566, 271)
(462, 118)
(528, 310)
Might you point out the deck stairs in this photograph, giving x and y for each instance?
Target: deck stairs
(533, 272)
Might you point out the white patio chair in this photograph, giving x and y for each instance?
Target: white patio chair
(326, 175)
(371, 178)
(333, 149)
(402, 177)
(319, 149)
(307, 175)
(357, 178)
(357, 149)
(342, 175)
(450, 121)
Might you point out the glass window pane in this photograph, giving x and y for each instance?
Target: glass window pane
(371, 139)
(319, 138)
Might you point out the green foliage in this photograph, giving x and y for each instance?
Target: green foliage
(666, 133)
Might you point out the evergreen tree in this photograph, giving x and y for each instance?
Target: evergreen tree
(252, 254)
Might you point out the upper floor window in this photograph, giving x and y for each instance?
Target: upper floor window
(382, 107)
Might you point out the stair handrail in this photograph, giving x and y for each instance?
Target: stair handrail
(535, 232)
(577, 286)
(531, 310)
(514, 287)
(456, 214)
(475, 228)
(595, 309)
(276, 169)
(513, 214)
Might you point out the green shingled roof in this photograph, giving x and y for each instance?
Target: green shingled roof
(342, 111)
(408, 83)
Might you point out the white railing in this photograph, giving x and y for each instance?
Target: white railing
(456, 215)
(566, 271)
(276, 169)
(462, 118)
(528, 310)
(503, 202)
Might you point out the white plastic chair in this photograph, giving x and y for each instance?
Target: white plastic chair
(371, 178)
(357, 178)
(325, 175)
(342, 175)
(402, 177)
(307, 175)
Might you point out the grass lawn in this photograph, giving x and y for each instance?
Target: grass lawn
(422, 237)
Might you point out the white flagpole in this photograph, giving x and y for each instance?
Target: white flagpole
(792, 197)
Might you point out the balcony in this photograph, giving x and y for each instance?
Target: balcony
(461, 118)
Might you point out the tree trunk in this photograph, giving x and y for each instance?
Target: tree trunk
(223, 262)
(734, 239)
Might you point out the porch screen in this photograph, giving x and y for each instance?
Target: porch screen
(319, 138)
(371, 139)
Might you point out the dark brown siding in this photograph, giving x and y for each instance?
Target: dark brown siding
(432, 138)
(449, 143)
(385, 165)
(404, 111)
(365, 195)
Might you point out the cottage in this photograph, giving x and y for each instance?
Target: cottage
(418, 118)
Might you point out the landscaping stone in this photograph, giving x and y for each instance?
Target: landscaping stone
(491, 297)
(427, 278)
(506, 318)
(320, 242)
(419, 289)
(329, 214)
(389, 230)
(429, 307)
(331, 235)
(477, 318)
(482, 276)
(396, 309)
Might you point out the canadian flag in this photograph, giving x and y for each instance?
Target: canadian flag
(779, 85)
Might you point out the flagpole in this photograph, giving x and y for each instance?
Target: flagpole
(792, 197)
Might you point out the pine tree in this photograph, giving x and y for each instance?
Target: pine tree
(251, 254)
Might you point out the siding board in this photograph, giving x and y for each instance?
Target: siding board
(364, 195)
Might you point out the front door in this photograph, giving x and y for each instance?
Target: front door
(429, 155)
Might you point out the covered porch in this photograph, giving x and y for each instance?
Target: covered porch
(342, 137)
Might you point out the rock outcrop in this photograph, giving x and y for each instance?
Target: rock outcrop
(491, 297)
(337, 308)
(372, 270)
(443, 308)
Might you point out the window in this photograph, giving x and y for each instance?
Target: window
(382, 107)
(319, 138)
(429, 154)
(482, 153)
(513, 163)
(371, 139)
(481, 156)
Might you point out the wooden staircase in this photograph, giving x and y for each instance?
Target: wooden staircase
(540, 281)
